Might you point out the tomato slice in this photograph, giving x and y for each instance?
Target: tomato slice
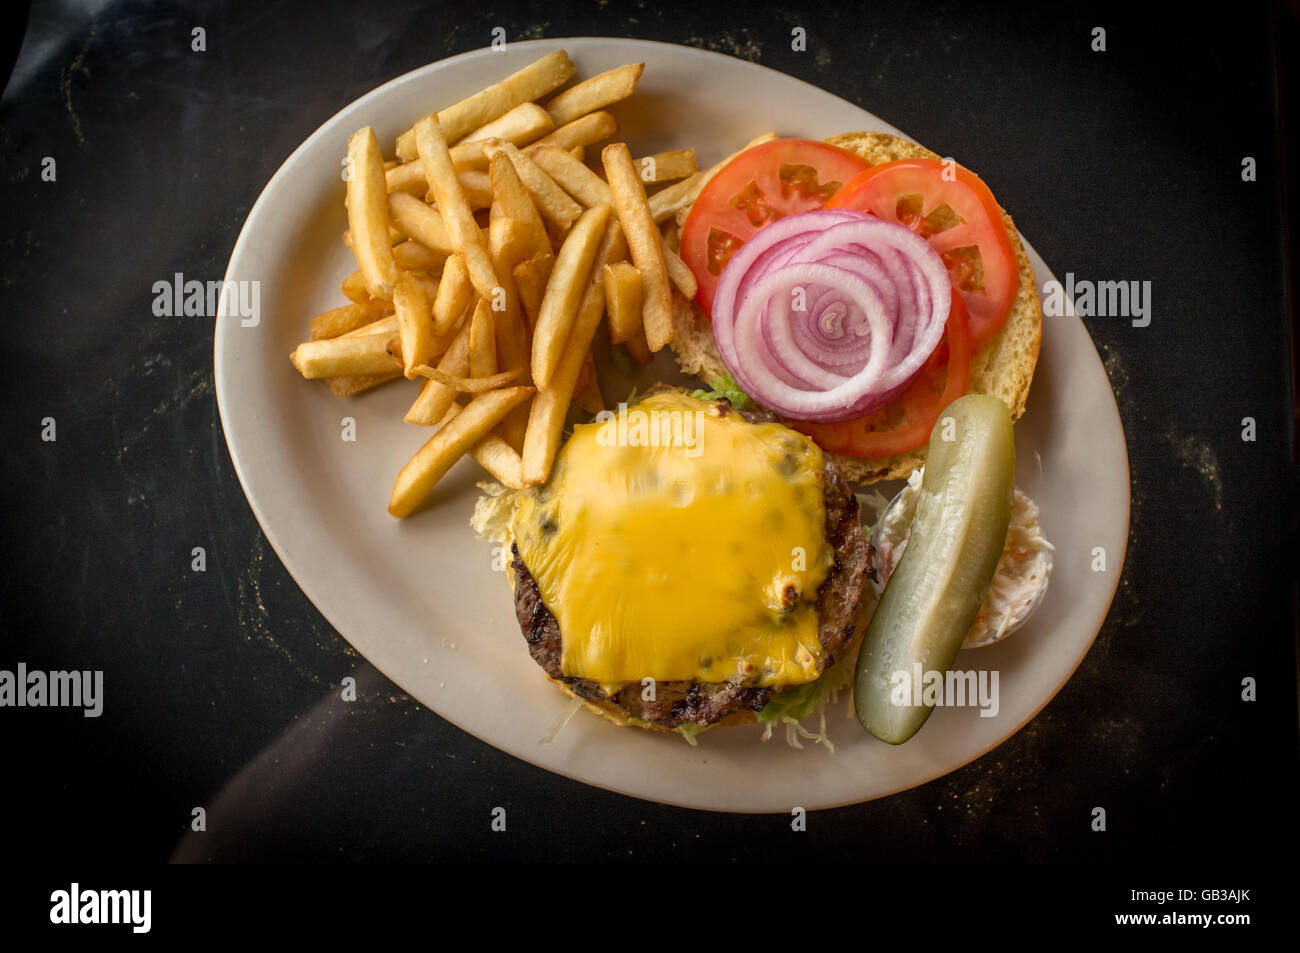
(914, 413)
(956, 213)
(762, 184)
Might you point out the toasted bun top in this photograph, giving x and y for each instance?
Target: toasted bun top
(1003, 368)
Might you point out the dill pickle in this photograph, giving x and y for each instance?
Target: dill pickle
(935, 592)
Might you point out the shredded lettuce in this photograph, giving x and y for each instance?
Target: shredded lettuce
(724, 386)
(689, 730)
(792, 707)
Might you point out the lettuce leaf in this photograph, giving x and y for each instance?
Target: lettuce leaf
(724, 386)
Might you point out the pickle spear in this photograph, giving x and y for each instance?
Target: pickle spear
(932, 598)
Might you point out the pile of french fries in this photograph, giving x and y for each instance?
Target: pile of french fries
(488, 253)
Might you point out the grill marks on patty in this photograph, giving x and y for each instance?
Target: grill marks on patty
(706, 703)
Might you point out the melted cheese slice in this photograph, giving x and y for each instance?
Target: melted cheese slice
(675, 541)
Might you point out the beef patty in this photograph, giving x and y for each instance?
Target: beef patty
(706, 703)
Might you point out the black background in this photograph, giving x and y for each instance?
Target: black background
(222, 686)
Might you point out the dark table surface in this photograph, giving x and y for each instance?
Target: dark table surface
(221, 686)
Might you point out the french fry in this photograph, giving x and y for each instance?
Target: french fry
(622, 300)
(421, 222)
(451, 442)
(667, 166)
(644, 243)
(532, 82)
(679, 273)
(495, 455)
(386, 326)
(585, 131)
(666, 203)
(339, 321)
(454, 293)
(515, 202)
(578, 153)
(569, 279)
(530, 279)
(368, 214)
(409, 178)
(477, 188)
(555, 206)
(336, 357)
(600, 91)
(546, 422)
(411, 255)
(637, 348)
(435, 397)
(350, 384)
(482, 342)
(572, 176)
(508, 241)
(462, 230)
(526, 123)
(354, 288)
(414, 323)
(467, 385)
(588, 395)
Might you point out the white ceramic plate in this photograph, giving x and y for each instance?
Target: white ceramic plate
(419, 597)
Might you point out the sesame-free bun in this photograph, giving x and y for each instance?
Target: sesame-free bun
(1003, 368)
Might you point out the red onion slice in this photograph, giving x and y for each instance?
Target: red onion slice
(828, 315)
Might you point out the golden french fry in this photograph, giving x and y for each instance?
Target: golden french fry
(414, 323)
(679, 273)
(467, 385)
(667, 166)
(672, 235)
(368, 214)
(411, 255)
(495, 455)
(546, 422)
(516, 202)
(555, 206)
(600, 91)
(530, 279)
(350, 384)
(569, 279)
(454, 293)
(508, 241)
(578, 153)
(336, 357)
(386, 326)
(532, 82)
(622, 300)
(421, 222)
(462, 230)
(339, 321)
(482, 342)
(477, 188)
(666, 203)
(637, 348)
(435, 398)
(572, 176)
(526, 123)
(447, 446)
(584, 131)
(354, 288)
(644, 243)
(409, 178)
(588, 395)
